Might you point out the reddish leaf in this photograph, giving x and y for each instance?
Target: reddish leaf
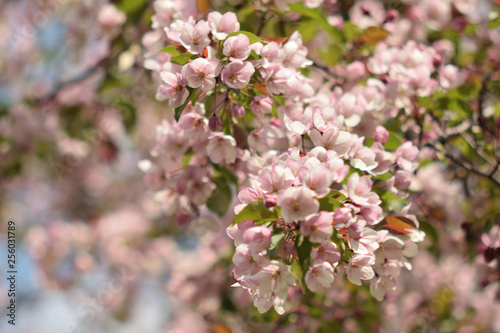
(398, 224)
(203, 6)
(262, 87)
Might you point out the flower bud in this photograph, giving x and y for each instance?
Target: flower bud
(270, 202)
(215, 124)
(238, 110)
(381, 135)
(437, 61)
(391, 15)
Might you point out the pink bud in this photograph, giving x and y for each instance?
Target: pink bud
(381, 135)
(215, 124)
(437, 61)
(238, 110)
(391, 15)
(270, 202)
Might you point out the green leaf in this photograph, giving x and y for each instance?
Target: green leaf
(332, 55)
(351, 30)
(186, 158)
(172, 50)
(251, 37)
(220, 199)
(178, 111)
(339, 240)
(225, 174)
(393, 142)
(297, 271)
(131, 6)
(304, 248)
(494, 23)
(308, 30)
(274, 111)
(183, 58)
(319, 19)
(255, 211)
(276, 241)
(332, 201)
(253, 56)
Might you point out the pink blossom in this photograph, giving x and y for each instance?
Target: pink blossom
(317, 226)
(277, 78)
(318, 179)
(295, 52)
(246, 263)
(258, 238)
(273, 280)
(109, 16)
(355, 71)
(257, 140)
(237, 74)
(174, 88)
(360, 268)
(325, 117)
(450, 77)
(261, 105)
(367, 13)
(352, 106)
(363, 159)
(382, 285)
(299, 121)
(405, 155)
(235, 232)
(296, 203)
(221, 148)
(270, 53)
(237, 47)
(327, 251)
(332, 138)
(319, 276)
(371, 214)
(492, 239)
(359, 191)
(201, 73)
(195, 37)
(342, 215)
(223, 25)
(275, 177)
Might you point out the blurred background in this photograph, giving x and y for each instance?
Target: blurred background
(96, 253)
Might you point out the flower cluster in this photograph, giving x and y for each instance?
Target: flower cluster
(306, 216)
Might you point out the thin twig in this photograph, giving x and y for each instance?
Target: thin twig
(460, 164)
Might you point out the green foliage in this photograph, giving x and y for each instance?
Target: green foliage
(251, 37)
(319, 19)
(257, 212)
(221, 197)
(172, 50)
(301, 265)
(178, 111)
(183, 58)
(332, 201)
(393, 142)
